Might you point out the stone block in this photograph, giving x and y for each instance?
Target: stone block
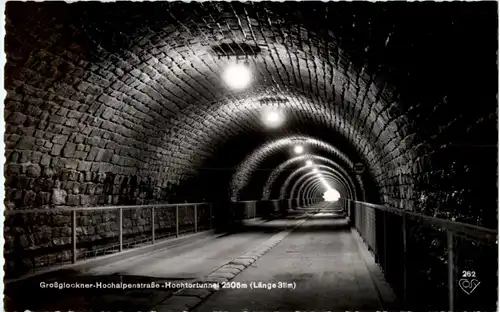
(93, 153)
(36, 157)
(107, 113)
(238, 267)
(59, 139)
(245, 262)
(73, 200)
(200, 293)
(81, 155)
(223, 274)
(16, 118)
(25, 156)
(26, 143)
(13, 169)
(69, 149)
(249, 257)
(56, 149)
(84, 165)
(106, 156)
(79, 138)
(58, 197)
(33, 171)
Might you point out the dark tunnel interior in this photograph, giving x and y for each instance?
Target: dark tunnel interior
(113, 104)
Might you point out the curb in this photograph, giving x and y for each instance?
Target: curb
(187, 299)
(387, 298)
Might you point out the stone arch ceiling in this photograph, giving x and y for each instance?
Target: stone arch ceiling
(297, 174)
(134, 89)
(298, 186)
(311, 185)
(252, 161)
(268, 186)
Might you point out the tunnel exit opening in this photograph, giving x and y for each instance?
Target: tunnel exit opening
(331, 195)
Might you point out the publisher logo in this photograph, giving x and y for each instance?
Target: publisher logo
(468, 285)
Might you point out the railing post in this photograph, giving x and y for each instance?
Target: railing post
(385, 240)
(176, 221)
(210, 213)
(195, 219)
(120, 227)
(404, 259)
(153, 224)
(451, 294)
(73, 235)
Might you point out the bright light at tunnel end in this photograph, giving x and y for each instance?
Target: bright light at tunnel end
(237, 76)
(331, 195)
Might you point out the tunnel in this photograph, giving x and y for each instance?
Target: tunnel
(138, 130)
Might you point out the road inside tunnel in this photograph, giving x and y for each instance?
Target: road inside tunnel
(205, 116)
(332, 277)
(321, 256)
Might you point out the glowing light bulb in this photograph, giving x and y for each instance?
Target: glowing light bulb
(237, 76)
(272, 118)
(298, 149)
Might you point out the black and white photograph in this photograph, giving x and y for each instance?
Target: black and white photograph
(220, 156)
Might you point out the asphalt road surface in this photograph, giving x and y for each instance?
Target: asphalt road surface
(323, 261)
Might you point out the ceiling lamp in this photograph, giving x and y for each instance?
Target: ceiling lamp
(237, 76)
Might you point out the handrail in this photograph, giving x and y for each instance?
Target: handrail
(452, 229)
(475, 231)
(270, 200)
(91, 208)
(70, 209)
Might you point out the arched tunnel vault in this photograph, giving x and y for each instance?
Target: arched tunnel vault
(147, 103)
(311, 188)
(346, 186)
(268, 186)
(251, 163)
(314, 189)
(113, 104)
(300, 173)
(297, 185)
(338, 185)
(298, 190)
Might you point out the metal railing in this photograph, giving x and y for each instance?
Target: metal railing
(114, 227)
(414, 250)
(67, 235)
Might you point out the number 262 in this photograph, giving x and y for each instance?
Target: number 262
(468, 274)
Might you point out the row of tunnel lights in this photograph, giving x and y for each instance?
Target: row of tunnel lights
(238, 76)
(330, 194)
